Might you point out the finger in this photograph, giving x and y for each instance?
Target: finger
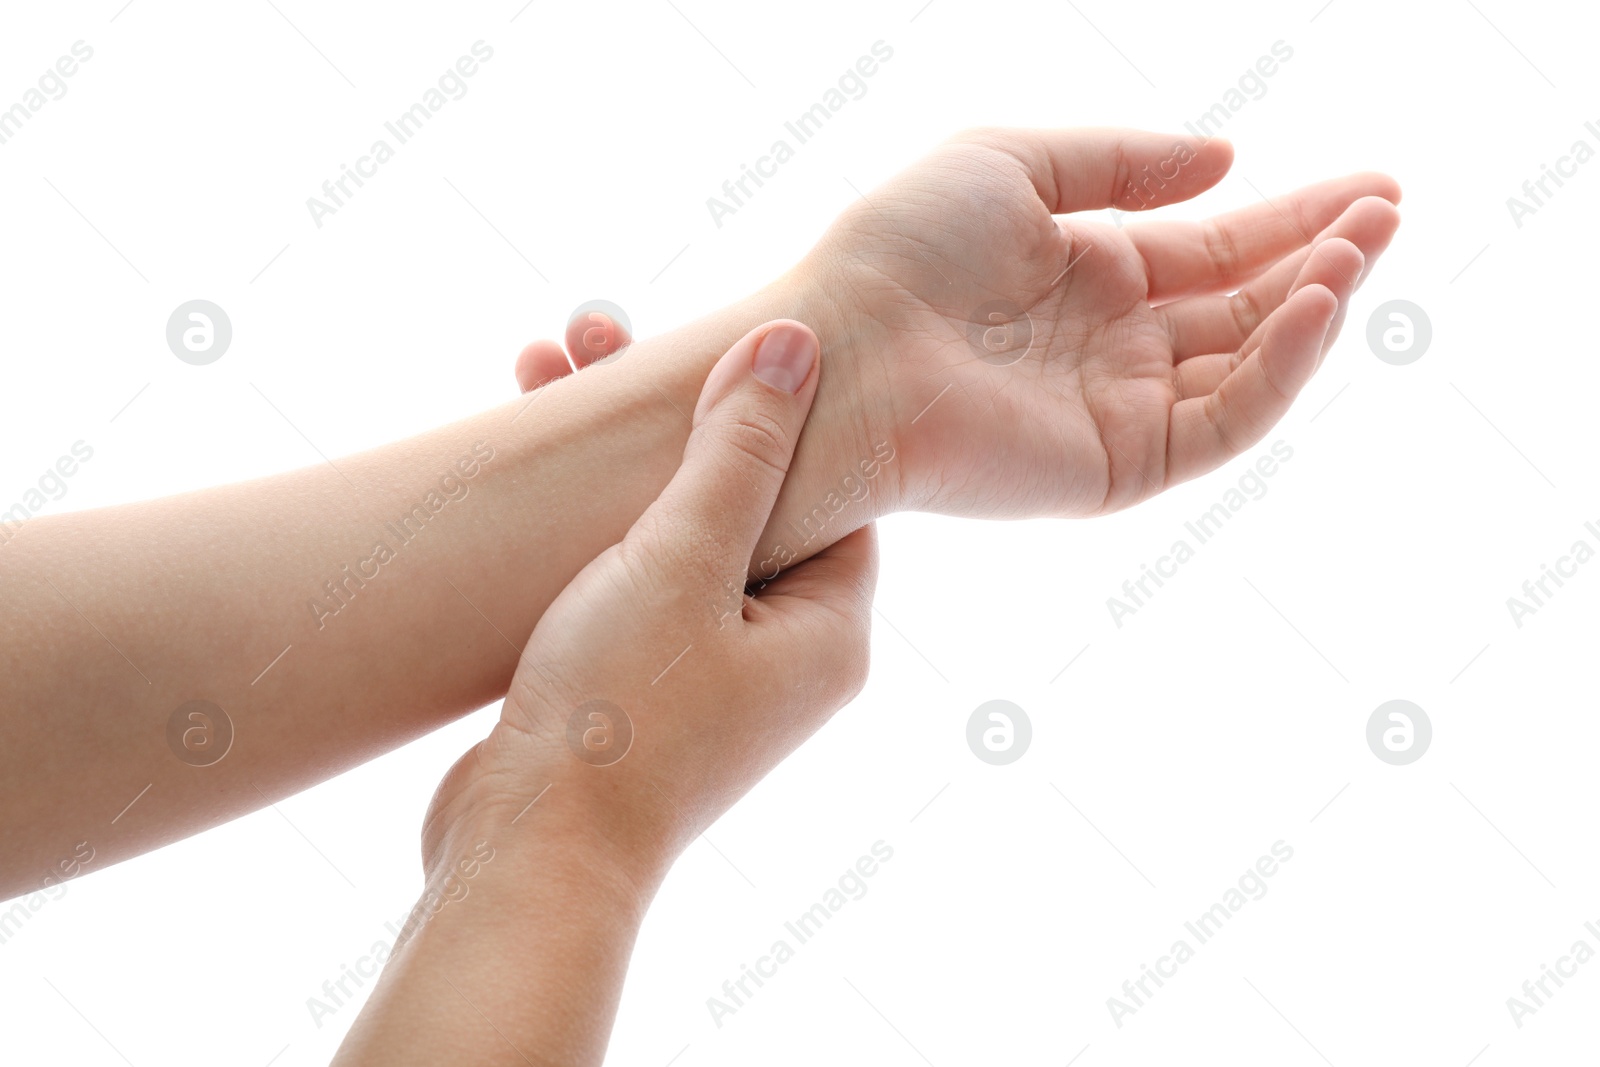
(1331, 264)
(817, 616)
(1085, 169)
(1360, 274)
(1207, 431)
(838, 580)
(1216, 254)
(593, 336)
(541, 363)
(1337, 264)
(749, 416)
(1200, 375)
(1205, 324)
(590, 337)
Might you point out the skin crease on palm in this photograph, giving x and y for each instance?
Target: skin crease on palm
(1160, 350)
(1142, 375)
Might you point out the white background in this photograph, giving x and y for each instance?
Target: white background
(1226, 715)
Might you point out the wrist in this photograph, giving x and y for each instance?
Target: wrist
(857, 409)
(544, 852)
(846, 469)
(520, 920)
(531, 799)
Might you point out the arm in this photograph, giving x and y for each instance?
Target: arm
(1140, 374)
(629, 762)
(117, 618)
(522, 963)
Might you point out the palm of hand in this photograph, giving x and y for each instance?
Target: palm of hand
(1107, 388)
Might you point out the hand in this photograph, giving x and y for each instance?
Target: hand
(651, 695)
(1140, 374)
(590, 338)
(653, 692)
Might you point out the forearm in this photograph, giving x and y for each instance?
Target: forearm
(336, 612)
(516, 951)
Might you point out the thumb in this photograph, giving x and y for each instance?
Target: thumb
(1086, 169)
(750, 414)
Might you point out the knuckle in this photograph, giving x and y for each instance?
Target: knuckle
(1224, 425)
(756, 437)
(1222, 248)
(685, 558)
(1123, 189)
(1235, 430)
(853, 655)
(1284, 396)
(1246, 312)
(631, 553)
(856, 668)
(661, 571)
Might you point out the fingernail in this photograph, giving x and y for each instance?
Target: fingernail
(784, 357)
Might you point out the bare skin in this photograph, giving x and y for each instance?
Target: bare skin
(526, 962)
(1143, 373)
